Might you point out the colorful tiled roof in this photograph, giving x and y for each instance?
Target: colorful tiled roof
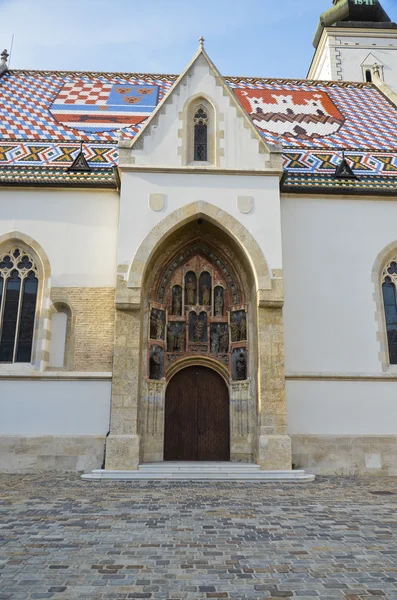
(44, 115)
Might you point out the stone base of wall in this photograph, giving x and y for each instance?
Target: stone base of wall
(345, 455)
(51, 453)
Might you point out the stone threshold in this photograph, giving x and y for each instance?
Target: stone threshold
(199, 471)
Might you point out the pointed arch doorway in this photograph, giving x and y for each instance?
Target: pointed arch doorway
(197, 422)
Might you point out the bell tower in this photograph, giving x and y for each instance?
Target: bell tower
(352, 38)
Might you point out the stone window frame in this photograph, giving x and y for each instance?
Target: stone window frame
(386, 255)
(42, 332)
(214, 133)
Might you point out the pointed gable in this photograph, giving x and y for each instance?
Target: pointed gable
(167, 138)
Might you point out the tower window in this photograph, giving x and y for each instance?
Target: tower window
(200, 135)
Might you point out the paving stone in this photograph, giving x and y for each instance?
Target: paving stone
(65, 538)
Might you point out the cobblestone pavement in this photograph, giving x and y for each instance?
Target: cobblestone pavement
(64, 538)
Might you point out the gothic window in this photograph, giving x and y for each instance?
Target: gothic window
(389, 280)
(200, 135)
(18, 298)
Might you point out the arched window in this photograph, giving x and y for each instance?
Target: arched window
(201, 134)
(389, 281)
(368, 76)
(18, 299)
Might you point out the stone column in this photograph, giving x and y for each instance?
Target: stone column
(274, 451)
(122, 447)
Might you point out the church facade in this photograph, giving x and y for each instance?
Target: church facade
(203, 268)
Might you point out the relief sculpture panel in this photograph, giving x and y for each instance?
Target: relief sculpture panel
(197, 308)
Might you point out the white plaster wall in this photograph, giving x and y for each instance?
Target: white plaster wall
(137, 219)
(342, 407)
(329, 249)
(77, 229)
(321, 66)
(32, 408)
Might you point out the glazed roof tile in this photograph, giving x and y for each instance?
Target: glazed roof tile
(45, 114)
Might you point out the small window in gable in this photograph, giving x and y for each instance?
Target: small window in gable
(389, 280)
(201, 135)
(200, 128)
(18, 299)
(368, 76)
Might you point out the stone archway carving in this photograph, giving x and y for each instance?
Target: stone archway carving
(218, 217)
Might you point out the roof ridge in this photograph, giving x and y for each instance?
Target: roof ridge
(173, 76)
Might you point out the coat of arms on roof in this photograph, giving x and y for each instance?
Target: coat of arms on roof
(101, 106)
(304, 115)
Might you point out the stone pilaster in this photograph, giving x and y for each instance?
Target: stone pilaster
(274, 447)
(122, 447)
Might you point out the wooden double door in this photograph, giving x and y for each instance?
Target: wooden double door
(197, 421)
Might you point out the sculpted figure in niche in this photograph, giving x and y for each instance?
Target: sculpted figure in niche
(198, 330)
(243, 327)
(190, 291)
(155, 365)
(235, 328)
(159, 327)
(241, 367)
(215, 340)
(181, 339)
(177, 301)
(171, 339)
(206, 295)
(153, 325)
(224, 341)
(219, 304)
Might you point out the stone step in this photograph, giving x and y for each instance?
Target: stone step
(187, 466)
(199, 472)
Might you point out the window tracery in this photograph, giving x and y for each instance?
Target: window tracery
(389, 282)
(200, 121)
(18, 299)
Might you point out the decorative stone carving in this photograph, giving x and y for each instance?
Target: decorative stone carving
(224, 339)
(199, 330)
(219, 338)
(157, 324)
(156, 362)
(157, 202)
(215, 339)
(154, 409)
(245, 204)
(219, 301)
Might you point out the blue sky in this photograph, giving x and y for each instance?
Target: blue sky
(265, 38)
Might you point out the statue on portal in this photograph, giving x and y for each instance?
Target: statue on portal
(235, 328)
(171, 339)
(190, 291)
(177, 301)
(224, 341)
(159, 326)
(155, 364)
(206, 295)
(180, 340)
(241, 367)
(243, 327)
(198, 330)
(215, 340)
(153, 325)
(219, 304)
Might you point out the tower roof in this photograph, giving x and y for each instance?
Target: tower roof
(354, 13)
